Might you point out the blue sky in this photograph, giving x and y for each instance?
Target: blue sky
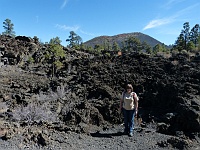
(46, 19)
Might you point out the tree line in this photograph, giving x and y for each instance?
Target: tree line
(188, 40)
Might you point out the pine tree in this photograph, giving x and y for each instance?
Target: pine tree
(74, 39)
(146, 47)
(180, 42)
(54, 55)
(184, 38)
(9, 28)
(133, 44)
(158, 48)
(194, 34)
(55, 40)
(198, 43)
(186, 34)
(106, 45)
(115, 46)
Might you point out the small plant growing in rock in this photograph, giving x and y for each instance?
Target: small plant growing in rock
(34, 112)
(60, 93)
(3, 107)
(31, 60)
(58, 64)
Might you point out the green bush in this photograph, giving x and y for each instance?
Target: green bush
(31, 60)
(58, 64)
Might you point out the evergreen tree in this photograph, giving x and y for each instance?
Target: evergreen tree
(190, 46)
(180, 42)
(54, 55)
(146, 47)
(184, 38)
(55, 40)
(123, 43)
(74, 39)
(186, 34)
(157, 48)
(199, 43)
(194, 34)
(9, 28)
(133, 44)
(106, 45)
(36, 39)
(98, 48)
(115, 46)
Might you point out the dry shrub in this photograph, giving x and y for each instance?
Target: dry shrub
(34, 112)
(60, 93)
(175, 62)
(3, 107)
(40, 109)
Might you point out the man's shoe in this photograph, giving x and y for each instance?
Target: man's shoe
(131, 134)
(125, 133)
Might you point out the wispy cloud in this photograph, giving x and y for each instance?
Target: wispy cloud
(87, 33)
(158, 22)
(64, 4)
(167, 20)
(171, 3)
(70, 28)
(75, 28)
(186, 10)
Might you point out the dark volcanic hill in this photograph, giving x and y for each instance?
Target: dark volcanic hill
(121, 37)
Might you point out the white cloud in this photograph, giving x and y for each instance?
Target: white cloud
(70, 28)
(186, 10)
(73, 28)
(86, 33)
(167, 20)
(158, 22)
(64, 4)
(170, 3)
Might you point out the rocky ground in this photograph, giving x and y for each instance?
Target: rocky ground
(112, 138)
(76, 107)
